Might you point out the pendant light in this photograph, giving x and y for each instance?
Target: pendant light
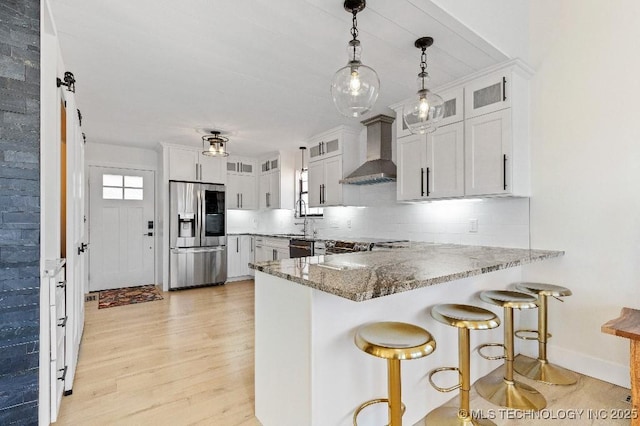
(422, 115)
(355, 87)
(215, 145)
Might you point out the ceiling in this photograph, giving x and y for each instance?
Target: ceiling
(151, 71)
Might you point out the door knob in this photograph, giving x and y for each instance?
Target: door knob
(148, 234)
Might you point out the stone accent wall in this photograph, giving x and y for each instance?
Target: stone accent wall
(19, 210)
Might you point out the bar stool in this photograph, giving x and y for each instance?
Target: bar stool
(540, 369)
(466, 318)
(394, 341)
(506, 391)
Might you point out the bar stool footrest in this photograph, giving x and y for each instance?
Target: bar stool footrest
(439, 370)
(520, 334)
(372, 402)
(491, 358)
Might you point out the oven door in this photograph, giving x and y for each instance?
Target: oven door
(300, 248)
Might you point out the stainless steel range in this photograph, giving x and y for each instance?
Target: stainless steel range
(359, 244)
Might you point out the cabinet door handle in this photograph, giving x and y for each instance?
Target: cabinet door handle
(237, 201)
(422, 182)
(241, 202)
(63, 321)
(504, 89)
(62, 284)
(320, 192)
(504, 172)
(64, 373)
(197, 178)
(238, 245)
(428, 171)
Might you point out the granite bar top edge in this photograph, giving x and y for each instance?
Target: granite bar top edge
(294, 271)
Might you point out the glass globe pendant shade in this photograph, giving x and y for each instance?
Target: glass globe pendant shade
(355, 87)
(422, 115)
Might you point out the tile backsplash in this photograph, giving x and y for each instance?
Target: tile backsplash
(500, 221)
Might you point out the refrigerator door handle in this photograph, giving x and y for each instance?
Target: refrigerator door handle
(198, 219)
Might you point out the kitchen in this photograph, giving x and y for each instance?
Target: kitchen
(580, 202)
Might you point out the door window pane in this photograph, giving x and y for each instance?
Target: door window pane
(133, 181)
(110, 193)
(133, 193)
(118, 187)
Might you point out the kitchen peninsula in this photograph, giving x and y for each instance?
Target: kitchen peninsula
(309, 372)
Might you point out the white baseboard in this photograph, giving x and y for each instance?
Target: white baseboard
(240, 278)
(584, 364)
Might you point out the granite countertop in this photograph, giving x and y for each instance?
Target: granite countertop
(366, 275)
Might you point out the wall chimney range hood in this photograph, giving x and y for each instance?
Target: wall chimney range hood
(378, 168)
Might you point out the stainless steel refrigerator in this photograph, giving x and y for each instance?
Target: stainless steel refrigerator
(197, 234)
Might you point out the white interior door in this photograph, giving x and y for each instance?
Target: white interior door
(121, 228)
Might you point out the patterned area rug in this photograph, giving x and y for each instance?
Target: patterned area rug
(128, 296)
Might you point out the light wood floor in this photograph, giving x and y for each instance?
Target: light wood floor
(188, 359)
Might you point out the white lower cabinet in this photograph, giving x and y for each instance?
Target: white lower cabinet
(431, 166)
(240, 252)
(269, 249)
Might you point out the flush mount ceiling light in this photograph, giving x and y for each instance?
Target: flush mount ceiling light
(422, 115)
(355, 87)
(215, 145)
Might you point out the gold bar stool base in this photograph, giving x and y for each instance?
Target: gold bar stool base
(543, 371)
(510, 394)
(451, 416)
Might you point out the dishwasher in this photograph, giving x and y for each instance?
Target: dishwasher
(300, 248)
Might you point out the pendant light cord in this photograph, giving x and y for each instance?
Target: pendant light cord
(423, 66)
(354, 32)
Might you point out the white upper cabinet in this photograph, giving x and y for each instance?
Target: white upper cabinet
(329, 146)
(241, 183)
(212, 169)
(488, 153)
(183, 164)
(269, 184)
(488, 94)
(444, 175)
(481, 152)
(453, 111)
(412, 152)
(328, 155)
(431, 166)
(191, 165)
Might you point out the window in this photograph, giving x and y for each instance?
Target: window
(302, 191)
(118, 187)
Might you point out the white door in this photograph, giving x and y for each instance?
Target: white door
(122, 231)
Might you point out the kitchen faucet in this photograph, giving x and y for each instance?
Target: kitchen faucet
(304, 223)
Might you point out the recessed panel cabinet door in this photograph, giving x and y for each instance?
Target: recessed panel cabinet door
(316, 180)
(445, 162)
(183, 164)
(247, 189)
(488, 154)
(411, 167)
(213, 169)
(332, 190)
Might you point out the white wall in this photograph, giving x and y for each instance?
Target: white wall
(586, 157)
(503, 23)
(120, 156)
(501, 222)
